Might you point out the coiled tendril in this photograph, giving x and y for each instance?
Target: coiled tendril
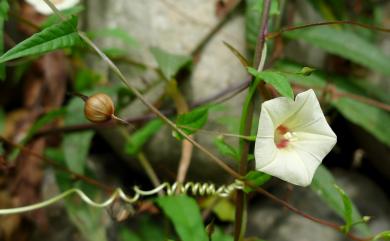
(196, 189)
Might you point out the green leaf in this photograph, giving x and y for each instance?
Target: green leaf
(190, 122)
(125, 234)
(76, 145)
(185, 216)
(218, 235)
(244, 62)
(85, 79)
(2, 151)
(278, 80)
(148, 229)
(44, 120)
(88, 220)
(53, 18)
(55, 37)
(253, 11)
(4, 7)
(19, 71)
(306, 71)
(169, 63)
(374, 120)
(135, 142)
(382, 236)
(256, 178)
(222, 207)
(225, 149)
(115, 33)
(323, 185)
(347, 209)
(346, 44)
(114, 52)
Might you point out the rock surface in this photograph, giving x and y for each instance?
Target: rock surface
(271, 222)
(178, 27)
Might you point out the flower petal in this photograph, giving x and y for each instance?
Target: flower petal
(288, 166)
(43, 8)
(318, 145)
(278, 110)
(312, 138)
(265, 152)
(307, 112)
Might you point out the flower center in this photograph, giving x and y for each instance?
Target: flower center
(283, 136)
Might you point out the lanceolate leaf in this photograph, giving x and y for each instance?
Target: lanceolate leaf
(276, 79)
(115, 33)
(257, 179)
(347, 209)
(55, 37)
(3, 16)
(346, 44)
(226, 149)
(185, 216)
(324, 185)
(190, 122)
(76, 145)
(140, 137)
(374, 119)
(244, 62)
(169, 63)
(88, 220)
(53, 19)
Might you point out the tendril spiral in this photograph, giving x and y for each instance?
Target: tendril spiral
(191, 188)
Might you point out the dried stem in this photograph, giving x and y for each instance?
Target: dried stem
(186, 147)
(223, 165)
(148, 169)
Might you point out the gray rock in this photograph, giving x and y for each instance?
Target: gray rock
(272, 222)
(178, 27)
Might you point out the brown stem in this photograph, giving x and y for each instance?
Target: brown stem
(305, 215)
(186, 147)
(241, 198)
(58, 166)
(260, 190)
(292, 28)
(148, 169)
(226, 94)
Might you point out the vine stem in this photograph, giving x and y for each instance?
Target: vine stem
(58, 166)
(246, 124)
(148, 169)
(186, 147)
(341, 22)
(165, 119)
(222, 164)
(138, 94)
(158, 190)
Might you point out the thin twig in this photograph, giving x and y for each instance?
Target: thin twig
(346, 22)
(257, 189)
(148, 169)
(58, 166)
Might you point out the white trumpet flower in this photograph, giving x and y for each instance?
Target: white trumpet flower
(293, 137)
(43, 8)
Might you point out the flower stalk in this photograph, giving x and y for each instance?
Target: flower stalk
(246, 124)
